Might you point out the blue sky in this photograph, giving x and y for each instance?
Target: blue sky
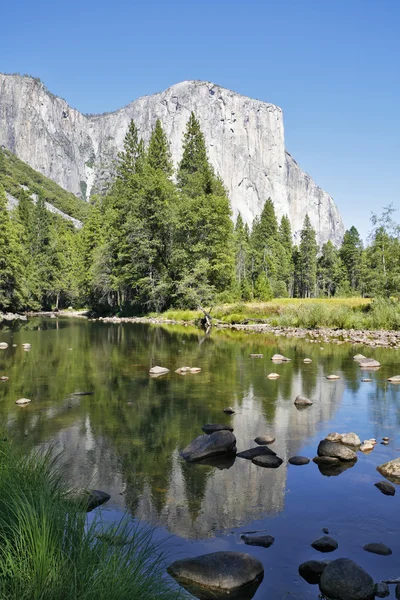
(333, 66)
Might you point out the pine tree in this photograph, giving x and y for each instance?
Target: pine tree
(308, 259)
(263, 289)
(350, 252)
(286, 240)
(12, 293)
(195, 175)
(2, 162)
(241, 250)
(127, 158)
(159, 155)
(330, 270)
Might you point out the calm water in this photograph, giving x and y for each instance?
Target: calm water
(126, 438)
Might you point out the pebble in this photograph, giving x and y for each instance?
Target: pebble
(332, 377)
(385, 439)
(273, 376)
(384, 443)
(299, 460)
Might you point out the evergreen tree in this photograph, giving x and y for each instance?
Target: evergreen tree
(351, 252)
(330, 270)
(12, 293)
(127, 158)
(286, 240)
(195, 175)
(307, 259)
(242, 251)
(2, 162)
(263, 289)
(159, 155)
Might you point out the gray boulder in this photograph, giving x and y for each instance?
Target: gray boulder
(369, 363)
(386, 488)
(264, 440)
(334, 437)
(380, 549)
(302, 401)
(218, 571)
(299, 460)
(336, 450)
(212, 427)
(253, 452)
(326, 460)
(325, 544)
(311, 570)
(391, 470)
(267, 461)
(343, 579)
(258, 540)
(220, 442)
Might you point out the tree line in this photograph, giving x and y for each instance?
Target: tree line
(162, 238)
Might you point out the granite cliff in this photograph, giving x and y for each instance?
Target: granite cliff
(245, 141)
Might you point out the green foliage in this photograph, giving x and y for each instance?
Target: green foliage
(307, 261)
(262, 289)
(50, 551)
(15, 173)
(159, 155)
(330, 270)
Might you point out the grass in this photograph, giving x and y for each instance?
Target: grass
(18, 173)
(338, 313)
(48, 550)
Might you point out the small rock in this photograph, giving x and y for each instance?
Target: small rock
(256, 355)
(218, 571)
(89, 499)
(268, 461)
(325, 460)
(204, 446)
(369, 363)
(82, 393)
(278, 357)
(228, 410)
(183, 370)
(351, 439)
(299, 460)
(390, 470)
(386, 488)
(336, 450)
(367, 446)
(307, 360)
(22, 401)
(212, 427)
(311, 570)
(358, 357)
(258, 540)
(385, 439)
(263, 440)
(253, 452)
(195, 370)
(26, 346)
(366, 380)
(325, 530)
(382, 590)
(158, 370)
(334, 437)
(3, 378)
(384, 443)
(325, 544)
(394, 379)
(302, 401)
(378, 549)
(3, 345)
(343, 579)
(273, 376)
(332, 377)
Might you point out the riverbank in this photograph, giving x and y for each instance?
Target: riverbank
(50, 550)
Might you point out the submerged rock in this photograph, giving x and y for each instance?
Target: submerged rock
(299, 460)
(376, 548)
(325, 544)
(343, 579)
(253, 452)
(326, 460)
(263, 440)
(391, 470)
(311, 570)
(302, 401)
(220, 442)
(267, 461)
(218, 571)
(212, 427)
(22, 401)
(351, 439)
(158, 370)
(382, 590)
(258, 540)
(336, 450)
(273, 376)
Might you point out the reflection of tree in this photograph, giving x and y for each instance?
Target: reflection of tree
(134, 447)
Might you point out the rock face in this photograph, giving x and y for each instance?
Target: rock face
(205, 446)
(244, 137)
(218, 571)
(342, 579)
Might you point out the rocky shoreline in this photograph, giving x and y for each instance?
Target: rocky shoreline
(375, 339)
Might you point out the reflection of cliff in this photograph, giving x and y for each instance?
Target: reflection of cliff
(244, 492)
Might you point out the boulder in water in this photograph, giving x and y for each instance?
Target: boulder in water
(204, 446)
(333, 377)
(311, 570)
(273, 376)
(3, 345)
(343, 579)
(380, 549)
(22, 401)
(334, 437)
(394, 379)
(258, 540)
(253, 452)
(325, 544)
(219, 571)
(391, 470)
(267, 461)
(264, 440)
(302, 401)
(351, 439)
(212, 427)
(228, 410)
(307, 361)
(369, 363)
(156, 371)
(336, 450)
(299, 460)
